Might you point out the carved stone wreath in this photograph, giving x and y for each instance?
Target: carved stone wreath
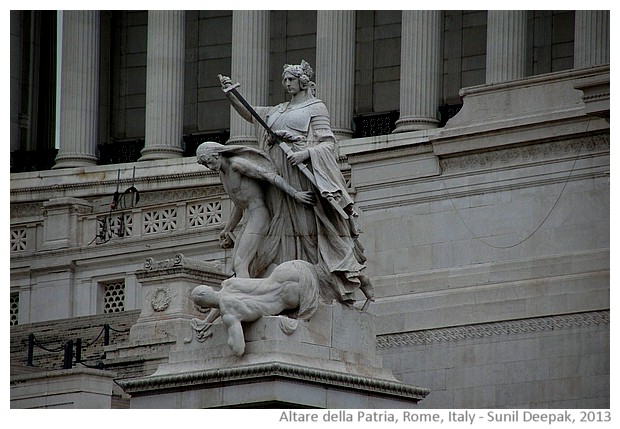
(161, 299)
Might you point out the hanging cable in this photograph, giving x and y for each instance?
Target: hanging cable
(534, 231)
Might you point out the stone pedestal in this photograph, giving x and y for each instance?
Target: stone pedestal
(167, 310)
(329, 361)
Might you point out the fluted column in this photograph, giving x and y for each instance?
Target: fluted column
(335, 67)
(591, 38)
(250, 67)
(420, 70)
(79, 89)
(165, 72)
(506, 45)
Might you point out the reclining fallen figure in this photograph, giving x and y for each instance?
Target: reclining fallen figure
(292, 285)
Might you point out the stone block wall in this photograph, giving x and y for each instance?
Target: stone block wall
(548, 362)
(488, 245)
(81, 388)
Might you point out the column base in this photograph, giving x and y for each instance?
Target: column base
(415, 124)
(74, 160)
(243, 141)
(160, 152)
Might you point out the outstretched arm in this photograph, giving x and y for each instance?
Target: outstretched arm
(236, 104)
(203, 328)
(254, 171)
(303, 197)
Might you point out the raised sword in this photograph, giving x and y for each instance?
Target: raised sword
(285, 147)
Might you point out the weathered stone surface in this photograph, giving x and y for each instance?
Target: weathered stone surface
(333, 354)
(71, 388)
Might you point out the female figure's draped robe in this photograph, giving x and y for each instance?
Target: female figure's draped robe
(317, 234)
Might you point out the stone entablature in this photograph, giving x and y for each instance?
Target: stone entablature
(87, 182)
(178, 203)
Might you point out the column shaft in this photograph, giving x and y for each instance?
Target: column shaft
(79, 89)
(591, 38)
(165, 72)
(506, 45)
(420, 70)
(335, 67)
(250, 67)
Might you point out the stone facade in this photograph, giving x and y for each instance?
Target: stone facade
(487, 235)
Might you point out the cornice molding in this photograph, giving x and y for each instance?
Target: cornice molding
(527, 154)
(269, 371)
(485, 330)
(97, 185)
(542, 79)
(397, 152)
(181, 265)
(27, 210)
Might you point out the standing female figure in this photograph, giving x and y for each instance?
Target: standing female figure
(316, 234)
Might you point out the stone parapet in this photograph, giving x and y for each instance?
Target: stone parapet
(596, 93)
(522, 112)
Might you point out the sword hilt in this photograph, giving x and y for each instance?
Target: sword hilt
(231, 87)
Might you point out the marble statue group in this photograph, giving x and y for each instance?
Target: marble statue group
(298, 244)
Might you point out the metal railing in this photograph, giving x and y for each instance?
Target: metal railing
(72, 349)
